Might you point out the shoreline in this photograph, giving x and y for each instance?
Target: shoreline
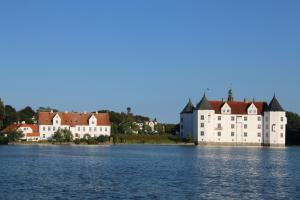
(147, 144)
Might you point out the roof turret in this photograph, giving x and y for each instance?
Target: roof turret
(189, 108)
(204, 104)
(275, 105)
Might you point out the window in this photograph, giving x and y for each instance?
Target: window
(95, 129)
(245, 118)
(228, 111)
(267, 126)
(202, 125)
(273, 127)
(93, 122)
(90, 129)
(245, 126)
(259, 119)
(232, 118)
(78, 128)
(258, 134)
(281, 127)
(224, 111)
(281, 135)
(44, 136)
(232, 125)
(232, 134)
(245, 134)
(105, 129)
(258, 126)
(49, 128)
(181, 119)
(219, 134)
(56, 121)
(267, 119)
(44, 128)
(282, 119)
(267, 134)
(202, 117)
(101, 129)
(53, 128)
(219, 118)
(219, 126)
(202, 133)
(83, 128)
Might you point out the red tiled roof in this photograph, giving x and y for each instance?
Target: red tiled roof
(14, 127)
(239, 107)
(73, 119)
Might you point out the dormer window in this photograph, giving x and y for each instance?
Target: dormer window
(226, 109)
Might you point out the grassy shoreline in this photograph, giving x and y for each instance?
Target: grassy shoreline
(119, 139)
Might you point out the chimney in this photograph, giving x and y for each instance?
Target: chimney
(51, 111)
(222, 99)
(245, 100)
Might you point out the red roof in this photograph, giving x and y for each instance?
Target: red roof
(239, 107)
(15, 127)
(73, 119)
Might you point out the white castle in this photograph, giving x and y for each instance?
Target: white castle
(234, 122)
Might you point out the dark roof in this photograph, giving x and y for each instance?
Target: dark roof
(204, 104)
(189, 108)
(275, 105)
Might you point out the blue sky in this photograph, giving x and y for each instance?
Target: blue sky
(149, 55)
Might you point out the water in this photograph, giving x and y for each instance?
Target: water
(148, 172)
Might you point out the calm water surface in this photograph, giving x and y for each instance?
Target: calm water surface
(148, 172)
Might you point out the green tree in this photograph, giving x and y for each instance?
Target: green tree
(2, 114)
(27, 115)
(11, 115)
(147, 129)
(3, 139)
(67, 134)
(46, 109)
(160, 128)
(58, 136)
(63, 135)
(14, 136)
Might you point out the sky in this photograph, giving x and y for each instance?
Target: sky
(151, 56)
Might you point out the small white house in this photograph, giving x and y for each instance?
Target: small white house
(151, 123)
(30, 131)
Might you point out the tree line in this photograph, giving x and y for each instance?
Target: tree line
(121, 122)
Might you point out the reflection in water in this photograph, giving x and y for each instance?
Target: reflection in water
(148, 172)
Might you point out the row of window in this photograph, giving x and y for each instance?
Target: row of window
(95, 129)
(202, 117)
(246, 126)
(245, 134)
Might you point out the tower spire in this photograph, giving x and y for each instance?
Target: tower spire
(230, 95)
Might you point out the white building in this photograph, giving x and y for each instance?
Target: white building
(30, 131)
(80, 124)
(234, 122)
(151, 124)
